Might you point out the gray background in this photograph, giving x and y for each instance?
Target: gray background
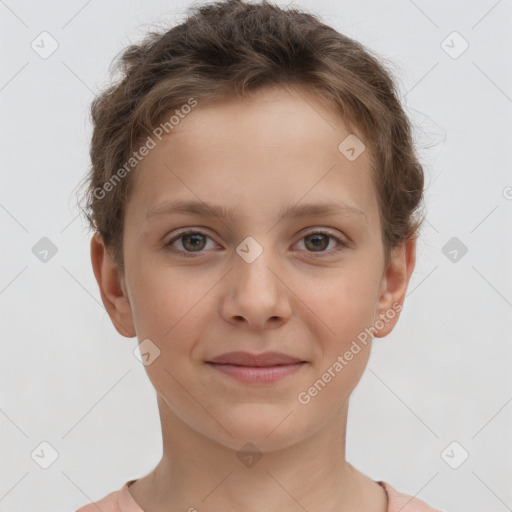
(69, 379)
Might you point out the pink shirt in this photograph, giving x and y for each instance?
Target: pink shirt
(122, 501)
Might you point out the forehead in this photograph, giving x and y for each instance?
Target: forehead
(277, 146)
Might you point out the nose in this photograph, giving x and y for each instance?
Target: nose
(256, 294)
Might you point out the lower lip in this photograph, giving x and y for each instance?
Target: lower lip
(258, 374)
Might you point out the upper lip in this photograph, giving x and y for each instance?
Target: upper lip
(248, 359)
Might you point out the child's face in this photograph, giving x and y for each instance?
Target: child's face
(304, 296)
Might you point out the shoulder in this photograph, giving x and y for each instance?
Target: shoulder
(109, 503)
(398, 501)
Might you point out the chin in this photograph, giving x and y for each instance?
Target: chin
(266, 431)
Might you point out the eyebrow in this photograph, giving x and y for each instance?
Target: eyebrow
(200, 208)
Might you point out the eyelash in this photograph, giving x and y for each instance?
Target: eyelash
(341, 244)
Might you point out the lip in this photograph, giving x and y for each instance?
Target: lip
(266, 368)
(247, 359)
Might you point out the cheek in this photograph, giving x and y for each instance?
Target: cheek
(344, 305)
(344, 348)
(165, 302)
(168, 310)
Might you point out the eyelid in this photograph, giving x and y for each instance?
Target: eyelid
(186, 231)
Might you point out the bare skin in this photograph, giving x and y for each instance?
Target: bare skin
(255, 156)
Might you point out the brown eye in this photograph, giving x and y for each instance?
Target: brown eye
(193, 242)
(317, 241)
(188, 243)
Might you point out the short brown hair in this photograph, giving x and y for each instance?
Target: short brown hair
(235, 48)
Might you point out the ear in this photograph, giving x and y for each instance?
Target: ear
(112, 288)
(394, 286)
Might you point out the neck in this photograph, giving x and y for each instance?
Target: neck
(196, 472)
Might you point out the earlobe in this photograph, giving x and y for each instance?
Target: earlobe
(112, 288)
(394, 283)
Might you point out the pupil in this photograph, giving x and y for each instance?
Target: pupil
(194, 245)
(316, 237)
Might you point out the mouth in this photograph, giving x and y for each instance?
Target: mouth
(266, 368)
